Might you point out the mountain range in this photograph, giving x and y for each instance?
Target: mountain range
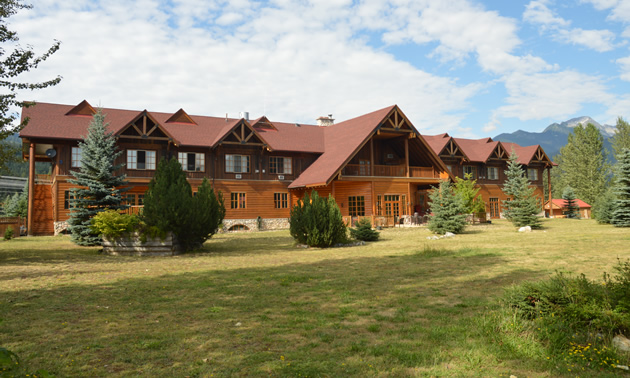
(556, 135)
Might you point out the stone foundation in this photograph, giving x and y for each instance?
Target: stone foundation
(252, 224)
(60, 227)
(132, 245)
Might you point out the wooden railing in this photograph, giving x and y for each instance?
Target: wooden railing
(43, 179)
(389, 171)
(133, 210)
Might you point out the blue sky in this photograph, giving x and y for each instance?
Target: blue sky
(469, 68)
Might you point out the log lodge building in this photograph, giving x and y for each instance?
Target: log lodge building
(376, 165)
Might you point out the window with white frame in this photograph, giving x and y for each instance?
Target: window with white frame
(193, 162)
(280, 165)
(470, 170)
(139, 159)
(237, 163)
(493, 173)
(75, 161)
(532, 174)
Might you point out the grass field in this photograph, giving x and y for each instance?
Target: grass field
(254, 304)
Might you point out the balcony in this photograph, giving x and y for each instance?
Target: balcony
(389, 171)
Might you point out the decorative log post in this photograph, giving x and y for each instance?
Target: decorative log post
(31, 188)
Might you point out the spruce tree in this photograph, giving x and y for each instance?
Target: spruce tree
(522, 206)
(604, 207)
(98, 185)
(447, 208)
(571, 204)
(621, 214)
(170, 206)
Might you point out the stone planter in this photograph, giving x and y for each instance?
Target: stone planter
(132, 245)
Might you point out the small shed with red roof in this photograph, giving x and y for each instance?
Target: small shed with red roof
(559, 208)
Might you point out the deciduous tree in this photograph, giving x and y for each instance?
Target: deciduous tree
(621, 139)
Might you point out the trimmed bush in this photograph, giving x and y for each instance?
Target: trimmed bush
(8, 233)
(364, 231)
(317, 221)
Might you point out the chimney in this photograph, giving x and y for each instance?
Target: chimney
(244, 115)
(325, 121)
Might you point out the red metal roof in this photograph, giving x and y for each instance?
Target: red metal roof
(561, 203)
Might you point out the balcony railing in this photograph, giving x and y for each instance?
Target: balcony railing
(389, 171)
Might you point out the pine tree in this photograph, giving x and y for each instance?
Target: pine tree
(448, 212)
(621, 214)
(98, 185)
(604, 207)
(317, 221)
(621, 139)
(170, 206)
(571, 204)
(17, 204)
(582, 164)
(522, 206)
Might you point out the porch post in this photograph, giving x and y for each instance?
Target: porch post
(549, 190)
(31, 188)
(407, 155)
(372, 156)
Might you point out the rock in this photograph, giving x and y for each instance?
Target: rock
(525, 229)
(238, 324)
(449, 235)
(622, 343)
(434, 237)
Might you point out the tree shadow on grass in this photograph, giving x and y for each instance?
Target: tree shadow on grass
(334, 317)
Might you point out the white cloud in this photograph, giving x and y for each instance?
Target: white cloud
(537, 12)
(551, 95)
(598, 40)
(624, 64)
(619, 9)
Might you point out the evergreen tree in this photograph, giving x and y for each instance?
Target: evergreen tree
(170, 206)
(317, 221)
(621, 139)
(522, 206)
(571, 204)
(364, 231)
(582, 164)
(621, 214)
(17, 204)
(448, 212)
(604, 207)
(98, 185)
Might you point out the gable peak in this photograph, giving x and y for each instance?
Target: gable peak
(83, 108)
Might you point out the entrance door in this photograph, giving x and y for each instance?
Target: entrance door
(392, 208)
(494, 208)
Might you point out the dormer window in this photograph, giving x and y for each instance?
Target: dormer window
(237, 163)
(532, 174)
(192, 162)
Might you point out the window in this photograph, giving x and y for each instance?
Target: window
(140, 199)
(379, 210)
(532, 174)
(364, 168)
(67, 197)
(280, 200)
(238, 200)
(493, 173)
(75, 161)
(356, 206)
(130, 199)
(280, 165)
(450, 168)
(192, 162)
(470, 170)
(138, 159)
(237, 163)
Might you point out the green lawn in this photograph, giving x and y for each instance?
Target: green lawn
(254, 304)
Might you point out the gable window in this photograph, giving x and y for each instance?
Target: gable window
(280, 165)
(139, 159)
(192, 162)
(238, 200)
(237, 163)
(280, 200)
(470, 170)
(450, 168)
(75, 161)
(493, 173)
(532, 174)
(356, 206)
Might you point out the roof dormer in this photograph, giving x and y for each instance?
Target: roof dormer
(83, 109)
(181, 116)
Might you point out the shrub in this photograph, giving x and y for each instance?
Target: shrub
(363, 231)
(114, 224)
(170, 206)
(8, 233)
(447, 210)
(317, 221)
(571, 313)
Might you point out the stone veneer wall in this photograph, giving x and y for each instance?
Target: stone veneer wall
(60, 227)
(252, 224)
